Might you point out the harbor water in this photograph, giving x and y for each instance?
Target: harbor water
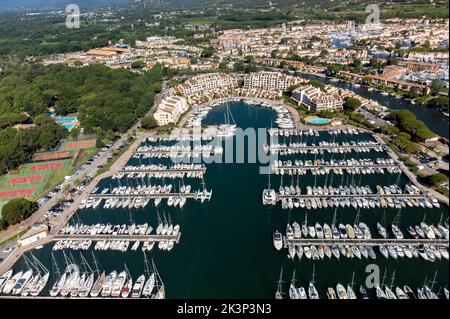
(226, 248)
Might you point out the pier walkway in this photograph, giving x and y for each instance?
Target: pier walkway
(150, 238)
(150, 196)
(365, 242)
(165, 170)
(285, 148)
(367, 196)
(319, 166)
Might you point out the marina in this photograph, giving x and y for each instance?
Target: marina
(209, 253)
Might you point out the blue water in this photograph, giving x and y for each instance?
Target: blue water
(69, 126)
(318, 121)
(66, 119)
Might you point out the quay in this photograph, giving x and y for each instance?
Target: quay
(150, 238)
(365, 242)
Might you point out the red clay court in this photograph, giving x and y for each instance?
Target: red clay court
(51, 156)
(17, 193)
(46, 166)
(80, 144)
(25, 180)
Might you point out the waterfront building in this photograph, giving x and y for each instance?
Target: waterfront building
(170, 110)
(270, 81)
(36, 233)
(207, 82)
(316, 100)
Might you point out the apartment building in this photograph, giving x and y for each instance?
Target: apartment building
(207, 82)
(270, 81)
(170, 109)
(316, 100)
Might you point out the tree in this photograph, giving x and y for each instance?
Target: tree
(317, 84)
(149, 122)
(440, 102)
(17, 210)
(137, 65)
(437, 179)
(274, 54)
(75, 132)
(436, 87)
(208, 52)
(332, 69)
(99, 142)
(351, 103)
(390, 130)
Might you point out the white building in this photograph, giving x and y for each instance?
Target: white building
(170, 110)
(35, 234)
(207, 82)
(270, 81)
(316, 100)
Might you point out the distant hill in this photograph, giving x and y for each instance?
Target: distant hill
(54, 4)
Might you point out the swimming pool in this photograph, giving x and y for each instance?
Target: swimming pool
(68, 126)
(66, 119)
(318, 121)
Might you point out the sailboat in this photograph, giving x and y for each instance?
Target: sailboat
(61, 279)
(227, 129)
(86, 286)
(159, 285)
(279, 293)
(42, 280)
(98, 284)
(293, 293)
(351, 294)
(312, 291)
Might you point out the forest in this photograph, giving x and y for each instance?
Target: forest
(105, 100)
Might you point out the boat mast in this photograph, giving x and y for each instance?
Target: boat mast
(433, 282)
(95, 263)
(159, 283)
(392, 280)
(280, 282)
(334, 217)
(293, 277)
(55, 266)
(313, 279)
(39, 264)
(384, 277)
(353, 280)
(146, 266)
(85, 263)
